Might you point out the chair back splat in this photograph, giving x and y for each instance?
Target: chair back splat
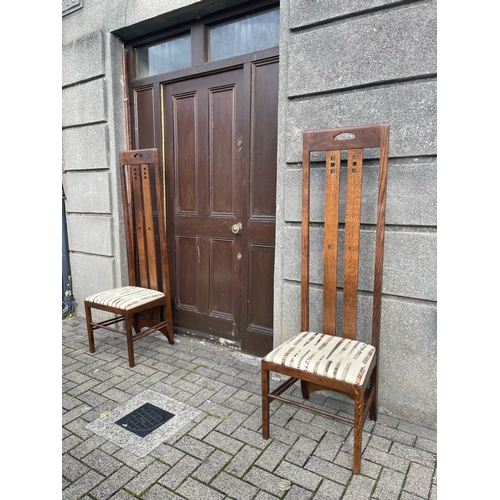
(145, 305)
(335, 360)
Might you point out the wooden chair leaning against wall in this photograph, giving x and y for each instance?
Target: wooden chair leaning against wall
(325, 361)
(145, 303)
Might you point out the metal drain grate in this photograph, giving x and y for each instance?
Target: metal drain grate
(145, 419)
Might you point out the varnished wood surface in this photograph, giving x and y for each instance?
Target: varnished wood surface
(352, 141)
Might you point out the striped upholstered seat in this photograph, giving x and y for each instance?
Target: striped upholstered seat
(125, 298)
(337, 358)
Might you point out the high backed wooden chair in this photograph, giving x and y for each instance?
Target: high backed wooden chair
(144, 306)
(325, 360)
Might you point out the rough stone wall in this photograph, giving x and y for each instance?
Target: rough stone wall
(352, 63)
(341, 63)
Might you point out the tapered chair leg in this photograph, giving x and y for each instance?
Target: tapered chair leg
(265, 403)
(130, 341)
(374, 385)
(90, 329)
(358, 429)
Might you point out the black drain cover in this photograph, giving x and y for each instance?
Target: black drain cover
(145, 419)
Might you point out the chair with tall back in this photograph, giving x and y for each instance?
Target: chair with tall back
(144, 306)
(332, 360)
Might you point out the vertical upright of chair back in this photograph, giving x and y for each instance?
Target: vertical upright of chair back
(329, 359)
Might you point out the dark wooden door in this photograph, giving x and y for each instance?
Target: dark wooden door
(220, 155)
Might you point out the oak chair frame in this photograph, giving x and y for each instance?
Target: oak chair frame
(365, 395)
(147, 256)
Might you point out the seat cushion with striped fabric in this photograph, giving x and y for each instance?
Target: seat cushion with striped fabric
(325, 355)
(126, 297)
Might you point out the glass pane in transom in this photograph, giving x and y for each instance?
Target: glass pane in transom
(247, 34)
(165, 56)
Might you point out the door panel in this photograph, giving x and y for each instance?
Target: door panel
(203, 118)
(220, 157)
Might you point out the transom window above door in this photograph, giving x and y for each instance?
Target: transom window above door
(248, 34)
(164, 57)
(209, 41)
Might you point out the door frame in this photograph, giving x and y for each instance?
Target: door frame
(153, 87)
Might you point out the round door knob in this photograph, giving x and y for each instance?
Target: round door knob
(236, 228)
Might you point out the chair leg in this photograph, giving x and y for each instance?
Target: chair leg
(168, 330)
(130, 340)
(374, 386)
(305, 389)
(265, 403)
(90, 329)
(358, 428)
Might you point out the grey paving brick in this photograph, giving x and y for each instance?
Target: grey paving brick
(301, 451)
(298, 493)
(379, 442)
(359, 488)
(211, 466)
(92, 398)
(426, 445)
(242, 406)
(389, 485)
(327, 469)
(113, 483)
(418, 480)
(109, 447)
(368, 468)
(298, 476)
(194, 447)
(272, 455)
(122, 495)
(223, 393)
(232, 422)
(223, 442)
(75, 413)
(158, 492)
(70, 443)
(331, 425)
(329, 446)
(116, 395)
(417, 430)
(264, 480)
(254, 421)
(234, 487)
(284, 435)
(386, 459)
(73, 469)
(102, 462)
(329, 490)
(167, 454)
(133, 461)
(78, 427)
(179, 472)
(414, 454)
(83, 485)
(306, 430)
(242, 460)
(394, 435)
(409, 496)
(251, 437)
(194, 490)
(87, 446)
(262, 495)
(199, 398)
(147, 477)
(231, 380)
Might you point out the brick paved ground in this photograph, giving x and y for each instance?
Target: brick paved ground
(220, 454)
